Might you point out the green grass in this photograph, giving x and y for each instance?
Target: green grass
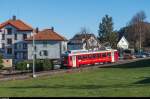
(118, 81)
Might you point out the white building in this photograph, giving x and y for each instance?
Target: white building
(84, 42)
(48, 45)
(123, 43)
(12, 39)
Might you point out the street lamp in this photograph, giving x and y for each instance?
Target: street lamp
(34, 76)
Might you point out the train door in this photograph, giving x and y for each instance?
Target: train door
(112, 56)
(74, 61)
(116, 55)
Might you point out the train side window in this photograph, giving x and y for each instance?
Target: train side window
(85, 57)
(79, 57)
(94, 55)
(89, 56)
(98, 55)
(104, 55)
(109, 54)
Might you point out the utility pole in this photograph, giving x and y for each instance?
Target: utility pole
(34, 76)
(140, 39)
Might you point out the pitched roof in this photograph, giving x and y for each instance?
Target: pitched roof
(123, 38)
(20, 25)
(80, 38)
(47, 34)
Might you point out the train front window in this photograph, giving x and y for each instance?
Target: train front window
(70, 58)
(65, 59)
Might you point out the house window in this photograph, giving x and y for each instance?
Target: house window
(15, 36)
(15, 55)
(3, 45)
(35, 48)
(24, 55)
(9, 41)
(3, 36)
(24, 46)
(15, 46)
(45, 53)
(9, 50)
(24, 36)
(19, 46)
(9, 31)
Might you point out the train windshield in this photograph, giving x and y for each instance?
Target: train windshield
(65, 59)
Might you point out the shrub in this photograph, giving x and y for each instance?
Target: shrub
(47, 64)
(22, 65)
(1, 66)
(40, 65)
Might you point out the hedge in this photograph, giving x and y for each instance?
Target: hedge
(40, 65)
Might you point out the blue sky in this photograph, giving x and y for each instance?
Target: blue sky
(68, 16)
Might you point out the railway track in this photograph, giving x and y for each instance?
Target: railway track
(60, 71)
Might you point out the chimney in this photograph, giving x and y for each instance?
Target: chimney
(52, 28)
(14, 18)
(37, 30)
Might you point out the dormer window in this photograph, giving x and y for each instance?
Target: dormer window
(9, 31)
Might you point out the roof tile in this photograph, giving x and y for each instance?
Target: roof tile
(47, 34)
(20, 25)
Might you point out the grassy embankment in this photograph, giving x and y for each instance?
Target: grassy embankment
(125, 80)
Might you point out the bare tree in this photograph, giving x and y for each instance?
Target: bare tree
(90, 43)
(84, 32)
(138, 29)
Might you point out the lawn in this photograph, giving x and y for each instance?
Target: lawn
(118, 81)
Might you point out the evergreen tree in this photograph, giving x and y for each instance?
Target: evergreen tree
(106, 33)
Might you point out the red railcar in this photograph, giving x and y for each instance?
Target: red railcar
(78, 58)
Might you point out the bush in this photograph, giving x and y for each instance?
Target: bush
(1, 66)
(40, 65)
(47, 64)
(22, 65)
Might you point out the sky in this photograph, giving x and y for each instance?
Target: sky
(69, 16)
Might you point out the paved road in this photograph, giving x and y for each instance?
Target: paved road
(60, 71)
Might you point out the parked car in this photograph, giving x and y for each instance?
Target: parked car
(140, 55)
(147, 54)
(129, 56)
